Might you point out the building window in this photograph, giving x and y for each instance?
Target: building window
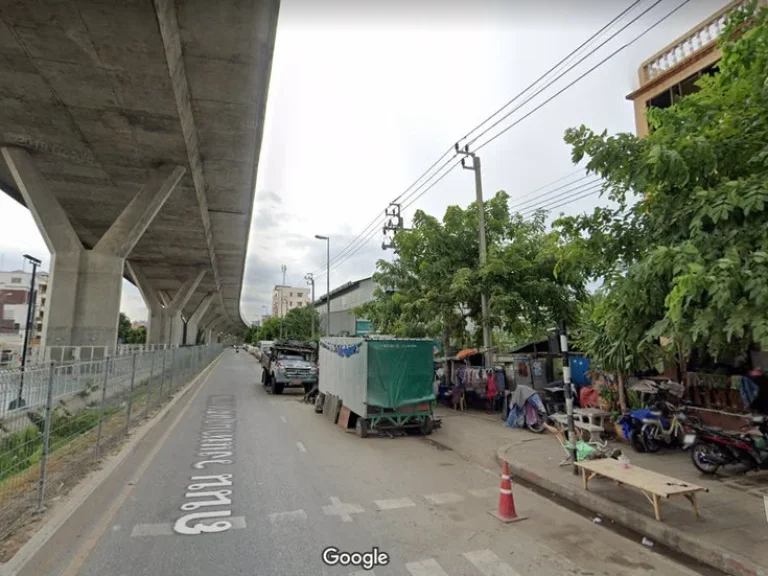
(39, 327)
(42, 302)
(298, 294)
(43, 287)
(291, 303)
(15, 280)
(290, 294)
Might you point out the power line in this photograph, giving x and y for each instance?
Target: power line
(563, 201)
(527, 194)
(556, 66)
(539, 106)
(589, 40)
(585, 74)
(544, 198)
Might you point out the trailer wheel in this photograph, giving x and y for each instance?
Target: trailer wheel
(427, 427)
(264, 377)
(361, 427)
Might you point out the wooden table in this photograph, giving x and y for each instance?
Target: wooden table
(654, 486)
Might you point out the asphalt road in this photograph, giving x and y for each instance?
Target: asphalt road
(300, 484)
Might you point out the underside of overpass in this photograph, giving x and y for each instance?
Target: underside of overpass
(132, 130)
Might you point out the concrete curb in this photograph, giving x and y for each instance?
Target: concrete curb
(671, 537)
(90, 483)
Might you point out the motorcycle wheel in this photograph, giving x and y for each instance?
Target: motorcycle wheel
(650, 442)
(536, 428)
(699, 453)
(636, 441)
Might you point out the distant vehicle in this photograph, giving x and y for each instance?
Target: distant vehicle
(262, 352)
(289, 364)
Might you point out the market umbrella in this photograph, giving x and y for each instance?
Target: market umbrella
(466, 353)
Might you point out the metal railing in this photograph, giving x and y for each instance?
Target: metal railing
(123, 349)
(57, 420)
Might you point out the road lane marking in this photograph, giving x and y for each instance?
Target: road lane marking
(292, 515)
(484, 492)
(444, 498)
(284, 420)
(90, 543)
(301, 447)
(363, 573)
(489, 564)
(342, 510)
(166, 529)
(428, 567)
(394, 503)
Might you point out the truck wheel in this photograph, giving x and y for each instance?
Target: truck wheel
(277, 388)
(427, 427)
(308, 387)
(361, 427)
(264, 377)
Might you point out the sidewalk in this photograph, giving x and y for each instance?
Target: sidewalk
(732, 534)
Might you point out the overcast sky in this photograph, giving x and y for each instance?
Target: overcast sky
(365, 95)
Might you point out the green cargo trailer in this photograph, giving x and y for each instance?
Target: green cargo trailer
(384, 383)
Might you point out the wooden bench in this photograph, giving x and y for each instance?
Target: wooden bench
(654, 486)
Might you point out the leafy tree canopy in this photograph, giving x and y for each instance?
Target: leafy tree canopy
(689, 259)
(433, 288)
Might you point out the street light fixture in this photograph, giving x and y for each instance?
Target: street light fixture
(328, 282)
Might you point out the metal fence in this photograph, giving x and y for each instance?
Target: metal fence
(57, 420)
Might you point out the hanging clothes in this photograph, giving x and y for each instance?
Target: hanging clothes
(491, 388)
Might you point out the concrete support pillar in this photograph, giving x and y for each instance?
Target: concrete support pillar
(85, 285)
(197, 316)
(155, 306)
(175, 307)
(210, 326)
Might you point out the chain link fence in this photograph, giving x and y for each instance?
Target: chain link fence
(57, 420)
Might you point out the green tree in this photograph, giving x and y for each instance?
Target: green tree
(434, 287)
(123, 328)
(269, 330)
(137, 336)
(297, 324)
(688, 260)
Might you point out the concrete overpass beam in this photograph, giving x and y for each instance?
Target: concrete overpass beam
(194, 321)
(135, 218)
(85, 285)
(153, 301)
(176, 306)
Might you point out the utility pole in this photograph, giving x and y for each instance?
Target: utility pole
(487, 335)
(310, 278)
(568, 394)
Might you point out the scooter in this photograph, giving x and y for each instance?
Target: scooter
(712, 449)
(667, 427)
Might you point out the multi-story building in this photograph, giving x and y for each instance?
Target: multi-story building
(14, 291)
(286, 298)
(672, 72)
(344, 300)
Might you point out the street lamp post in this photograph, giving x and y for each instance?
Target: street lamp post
(282, 314)
(19, 401)
(328, 282)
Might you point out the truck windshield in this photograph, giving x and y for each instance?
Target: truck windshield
(290, 357)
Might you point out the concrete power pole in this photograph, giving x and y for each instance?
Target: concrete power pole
(311, 280)
(487, 335)
(393, 225)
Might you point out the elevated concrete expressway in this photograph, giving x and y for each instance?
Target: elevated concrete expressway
(132, 130)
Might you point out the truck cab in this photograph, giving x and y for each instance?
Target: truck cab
(290, 364)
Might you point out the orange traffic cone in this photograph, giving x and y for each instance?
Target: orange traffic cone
(506, 511)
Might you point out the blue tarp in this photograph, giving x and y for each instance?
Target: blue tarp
(579, 369)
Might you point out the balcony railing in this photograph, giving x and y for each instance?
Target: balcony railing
(703, 36)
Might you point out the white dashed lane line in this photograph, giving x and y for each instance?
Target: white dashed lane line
(301, 447)
(284, 420)
(394, 503)
(428, 567)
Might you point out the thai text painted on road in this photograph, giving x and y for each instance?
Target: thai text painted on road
(216, 448)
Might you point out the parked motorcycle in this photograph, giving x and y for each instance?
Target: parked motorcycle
(713, 449)
(667, 427)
